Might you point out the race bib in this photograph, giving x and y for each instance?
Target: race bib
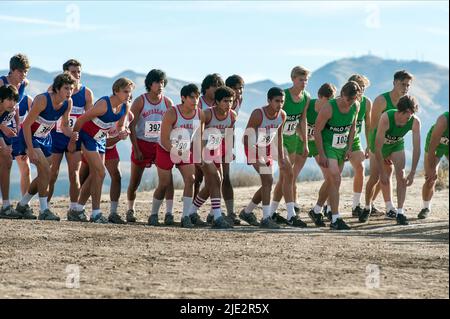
(310, 132)
(101, 134)
(72, 121)
(444, 140)
(181, 145)
(340, 140)
(152, 129)
(43, 130)
(265, 139)
(289, 127)
(214, 141)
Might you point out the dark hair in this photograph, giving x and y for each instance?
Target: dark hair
(9, 92)
(211, 80)
(155, 76)
(403, 75)
(188, 89)
(69, 63)
(408, 102)
(234, 80)
(273, 92)
(351, 89)
(19, 61)
(327, 90)
(223, 92)
(61, 80)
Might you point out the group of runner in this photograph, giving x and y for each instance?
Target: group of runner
(197, 137)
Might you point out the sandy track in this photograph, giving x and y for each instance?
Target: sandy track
(137, 261)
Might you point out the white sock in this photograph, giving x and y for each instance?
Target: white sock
(250, 207)
(229, 204)
(43, 203)
(131, 204)
(334, 217)
(389, 206)
(156, 204)
(80, 207)
(369, 207)
(73, 206)
(296, 205)
(215, 204)
(290, 210)
(274, 207)
(425, 204)
(328, 208)
(356, 200)
(26, 199)
(6, 203)
(266, 211)
(169, 206)
(317, 209)
(95, 213)
(400, 211)
(187, 203)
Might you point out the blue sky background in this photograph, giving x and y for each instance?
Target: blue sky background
(257, 39)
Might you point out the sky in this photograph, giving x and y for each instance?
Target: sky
(190, 39)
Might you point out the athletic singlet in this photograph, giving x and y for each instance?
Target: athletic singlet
(294, 111)
(47, 119)
(79, 103)
(337, 129)
(21, 89)
(216, 137)
(202, 104)
(394, 133)
(98, 127)
(183, 129)
(311, 117)
(268, 128)
(148, 126)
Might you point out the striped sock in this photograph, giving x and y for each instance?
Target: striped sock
(215, 204)
(198, 202)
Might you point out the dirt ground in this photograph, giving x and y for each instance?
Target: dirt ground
(137, 261)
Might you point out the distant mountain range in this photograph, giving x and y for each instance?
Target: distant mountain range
(430, 86)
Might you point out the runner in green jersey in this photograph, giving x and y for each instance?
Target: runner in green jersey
(335, 129)
(436, 146)
(296, 152)
(326, 92)
(389, 145)
(383, 102)
(358, 156)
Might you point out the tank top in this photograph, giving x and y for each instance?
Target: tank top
(268, 128)
(215, 129)
(202, 104)
(394, 133)
(337, 129)
(294, 111)
(184, 129)
(148, 125)
(311, 117)
(78, 108)
(47, 119)
(98, 127)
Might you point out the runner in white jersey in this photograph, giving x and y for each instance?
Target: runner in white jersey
(82, 98)
(148, 109)
(262, 140)
(209, 86)
(180, 145)
(218, 143)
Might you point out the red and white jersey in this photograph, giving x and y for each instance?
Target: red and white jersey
(148, 126)
(202, 104)
(184, 129)
(215, 129)
(268, 128)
